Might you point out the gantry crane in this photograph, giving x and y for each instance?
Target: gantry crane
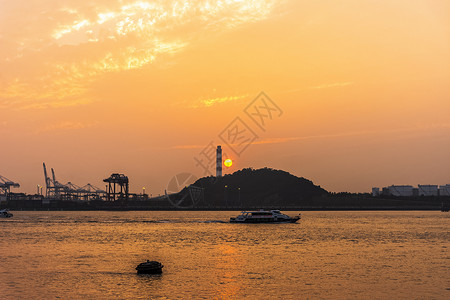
(70, 191)
(6, 184)
(121, 181)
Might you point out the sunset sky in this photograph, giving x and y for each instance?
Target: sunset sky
(90, 88)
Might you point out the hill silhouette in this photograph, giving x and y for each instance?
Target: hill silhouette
(259, 188)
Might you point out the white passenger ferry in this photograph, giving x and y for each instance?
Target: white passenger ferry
(264, 216)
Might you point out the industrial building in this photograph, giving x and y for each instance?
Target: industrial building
(375, 191)
(428, 190)
(401, 190)
(444, 190)
(410, 191)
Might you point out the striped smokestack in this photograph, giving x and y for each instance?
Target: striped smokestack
(219, 162)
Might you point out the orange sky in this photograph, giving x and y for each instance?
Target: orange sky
(141, 87)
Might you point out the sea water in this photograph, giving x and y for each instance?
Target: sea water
(327, 255)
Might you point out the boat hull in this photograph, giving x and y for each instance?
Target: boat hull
(264, 220)
(149, 271)
(149, 267)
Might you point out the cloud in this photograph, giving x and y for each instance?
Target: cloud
(423, 127)
(56, 50)
(208, 102)
(264, 141)
(65, 126)
(189, 147)
(277, 140)
(332, 85)
(322, 86)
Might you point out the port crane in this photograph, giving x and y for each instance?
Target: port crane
(70, 191)
(118, 187)
(53, 187)
(6, 184)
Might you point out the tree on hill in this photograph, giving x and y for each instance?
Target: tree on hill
(259, 188)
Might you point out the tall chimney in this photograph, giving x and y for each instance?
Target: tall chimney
(219, 162)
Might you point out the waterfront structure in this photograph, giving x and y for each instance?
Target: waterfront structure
(6, 185)
(410, 191)
(5, 188)
(118, 187)
(401, 190)
(375, 192)
(385, 191)
(428, 190)
(69, 191)
(444, 190)
(219, 161)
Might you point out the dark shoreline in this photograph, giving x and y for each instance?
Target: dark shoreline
(330, 203)
(241, 209)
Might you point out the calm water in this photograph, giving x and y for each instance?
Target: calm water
(363, 255)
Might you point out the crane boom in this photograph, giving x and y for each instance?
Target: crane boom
(47, 180)
(55, 184)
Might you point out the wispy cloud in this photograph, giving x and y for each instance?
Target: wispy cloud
(208, 102)
(277, 140)
(70, 45)
(281, 140)
(65, 126)
(188, 147)
(322, 86)
(353, 133)
(332, 85)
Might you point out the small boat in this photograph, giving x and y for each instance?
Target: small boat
(264, 216)
(4, 213)
(149, 267)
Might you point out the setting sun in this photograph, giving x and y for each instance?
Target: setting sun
(350, 83)
(228, 162)
(120, 120)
